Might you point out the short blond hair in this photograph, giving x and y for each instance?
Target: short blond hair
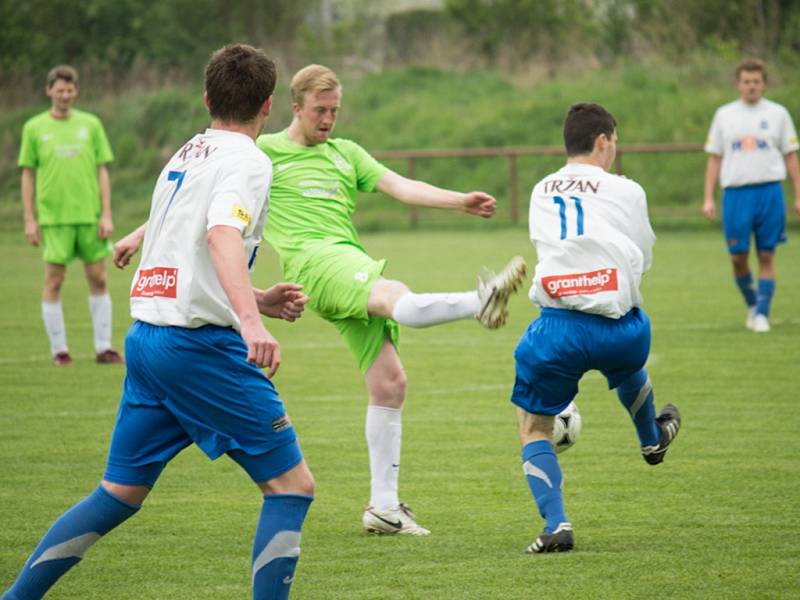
(313, 78)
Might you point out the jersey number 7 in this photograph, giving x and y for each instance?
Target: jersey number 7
(562, 212)
(172, 176)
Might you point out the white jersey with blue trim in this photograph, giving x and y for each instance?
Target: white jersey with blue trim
(216, 178)
(593, 241)
(752, 140)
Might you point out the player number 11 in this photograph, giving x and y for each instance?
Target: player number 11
(562, 212)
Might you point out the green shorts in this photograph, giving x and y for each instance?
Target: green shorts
(338, 279)
(63, 243)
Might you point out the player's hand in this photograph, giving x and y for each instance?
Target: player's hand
(709, 209)
(32, 232)
(126, 248)
(480, 204)
(262, 349)
(281, 301)
(105, 227)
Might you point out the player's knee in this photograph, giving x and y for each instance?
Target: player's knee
(298, 480)
(383, 296)
(739, 261)
(398, 381)
(306, 484)
(53, 284)
(533, 427)
(394, 386)
(97, 284)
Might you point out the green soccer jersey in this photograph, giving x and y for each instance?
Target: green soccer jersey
(65, 154)
(313, 194)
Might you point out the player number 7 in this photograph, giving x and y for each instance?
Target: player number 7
(562, 213)
(172, 176)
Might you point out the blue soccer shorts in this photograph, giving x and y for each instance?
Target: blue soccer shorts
(754, 209)
(195, 385)
(561, 345)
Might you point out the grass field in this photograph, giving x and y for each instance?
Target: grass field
(719, 519)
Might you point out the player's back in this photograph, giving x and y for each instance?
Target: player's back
(593, 240)
(216, 178)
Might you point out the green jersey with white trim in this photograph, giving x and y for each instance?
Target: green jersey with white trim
(65, 154)
(314, 194)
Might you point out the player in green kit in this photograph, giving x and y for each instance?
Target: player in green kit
(316, 178)
(63, 157)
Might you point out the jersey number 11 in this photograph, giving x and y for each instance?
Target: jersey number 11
(562, 212)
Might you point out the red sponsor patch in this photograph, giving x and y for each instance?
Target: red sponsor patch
(594, 282)
(158, 281)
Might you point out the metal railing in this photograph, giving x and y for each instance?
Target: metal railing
(513, 153)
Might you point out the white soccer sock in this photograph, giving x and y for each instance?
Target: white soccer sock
(384, 432)
(100, 307)
(53, 318)
(424, 310)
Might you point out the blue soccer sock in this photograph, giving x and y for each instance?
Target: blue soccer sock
(745, 285)
(64, 544)
(636, 395)
(544, 478)
(766, 289)
(276, 548)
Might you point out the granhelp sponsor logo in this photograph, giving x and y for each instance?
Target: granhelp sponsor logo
(594, 282)
(159, 282)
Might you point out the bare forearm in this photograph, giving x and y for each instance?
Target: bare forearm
(712, 175)
(104, 181)
(230, 264)
(425, 194)
(138, 233)
(27, 189)
(793, 169)
(419, 193)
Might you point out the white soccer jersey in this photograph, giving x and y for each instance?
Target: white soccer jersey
(593, 241)
(216, 178)
(752, 140)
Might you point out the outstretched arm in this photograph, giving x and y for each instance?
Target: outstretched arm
(419, 193)
(712, 174)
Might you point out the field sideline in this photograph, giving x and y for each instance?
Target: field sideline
(719, 519)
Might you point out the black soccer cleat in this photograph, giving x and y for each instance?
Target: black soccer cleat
(669, 422)
(561, 540)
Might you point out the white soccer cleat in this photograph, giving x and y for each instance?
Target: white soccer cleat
(399, 520)
(751, 316)
(494, 290)
(761, 324)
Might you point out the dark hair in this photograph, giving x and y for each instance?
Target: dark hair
(63, 72)
(584, 122)
(239, 78)
(750, 65)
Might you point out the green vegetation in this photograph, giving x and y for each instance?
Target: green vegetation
(719, 519)
(417, 108)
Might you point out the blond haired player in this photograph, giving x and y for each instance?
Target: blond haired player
(312, 202)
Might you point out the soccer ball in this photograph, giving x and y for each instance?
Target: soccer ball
(566, 428)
